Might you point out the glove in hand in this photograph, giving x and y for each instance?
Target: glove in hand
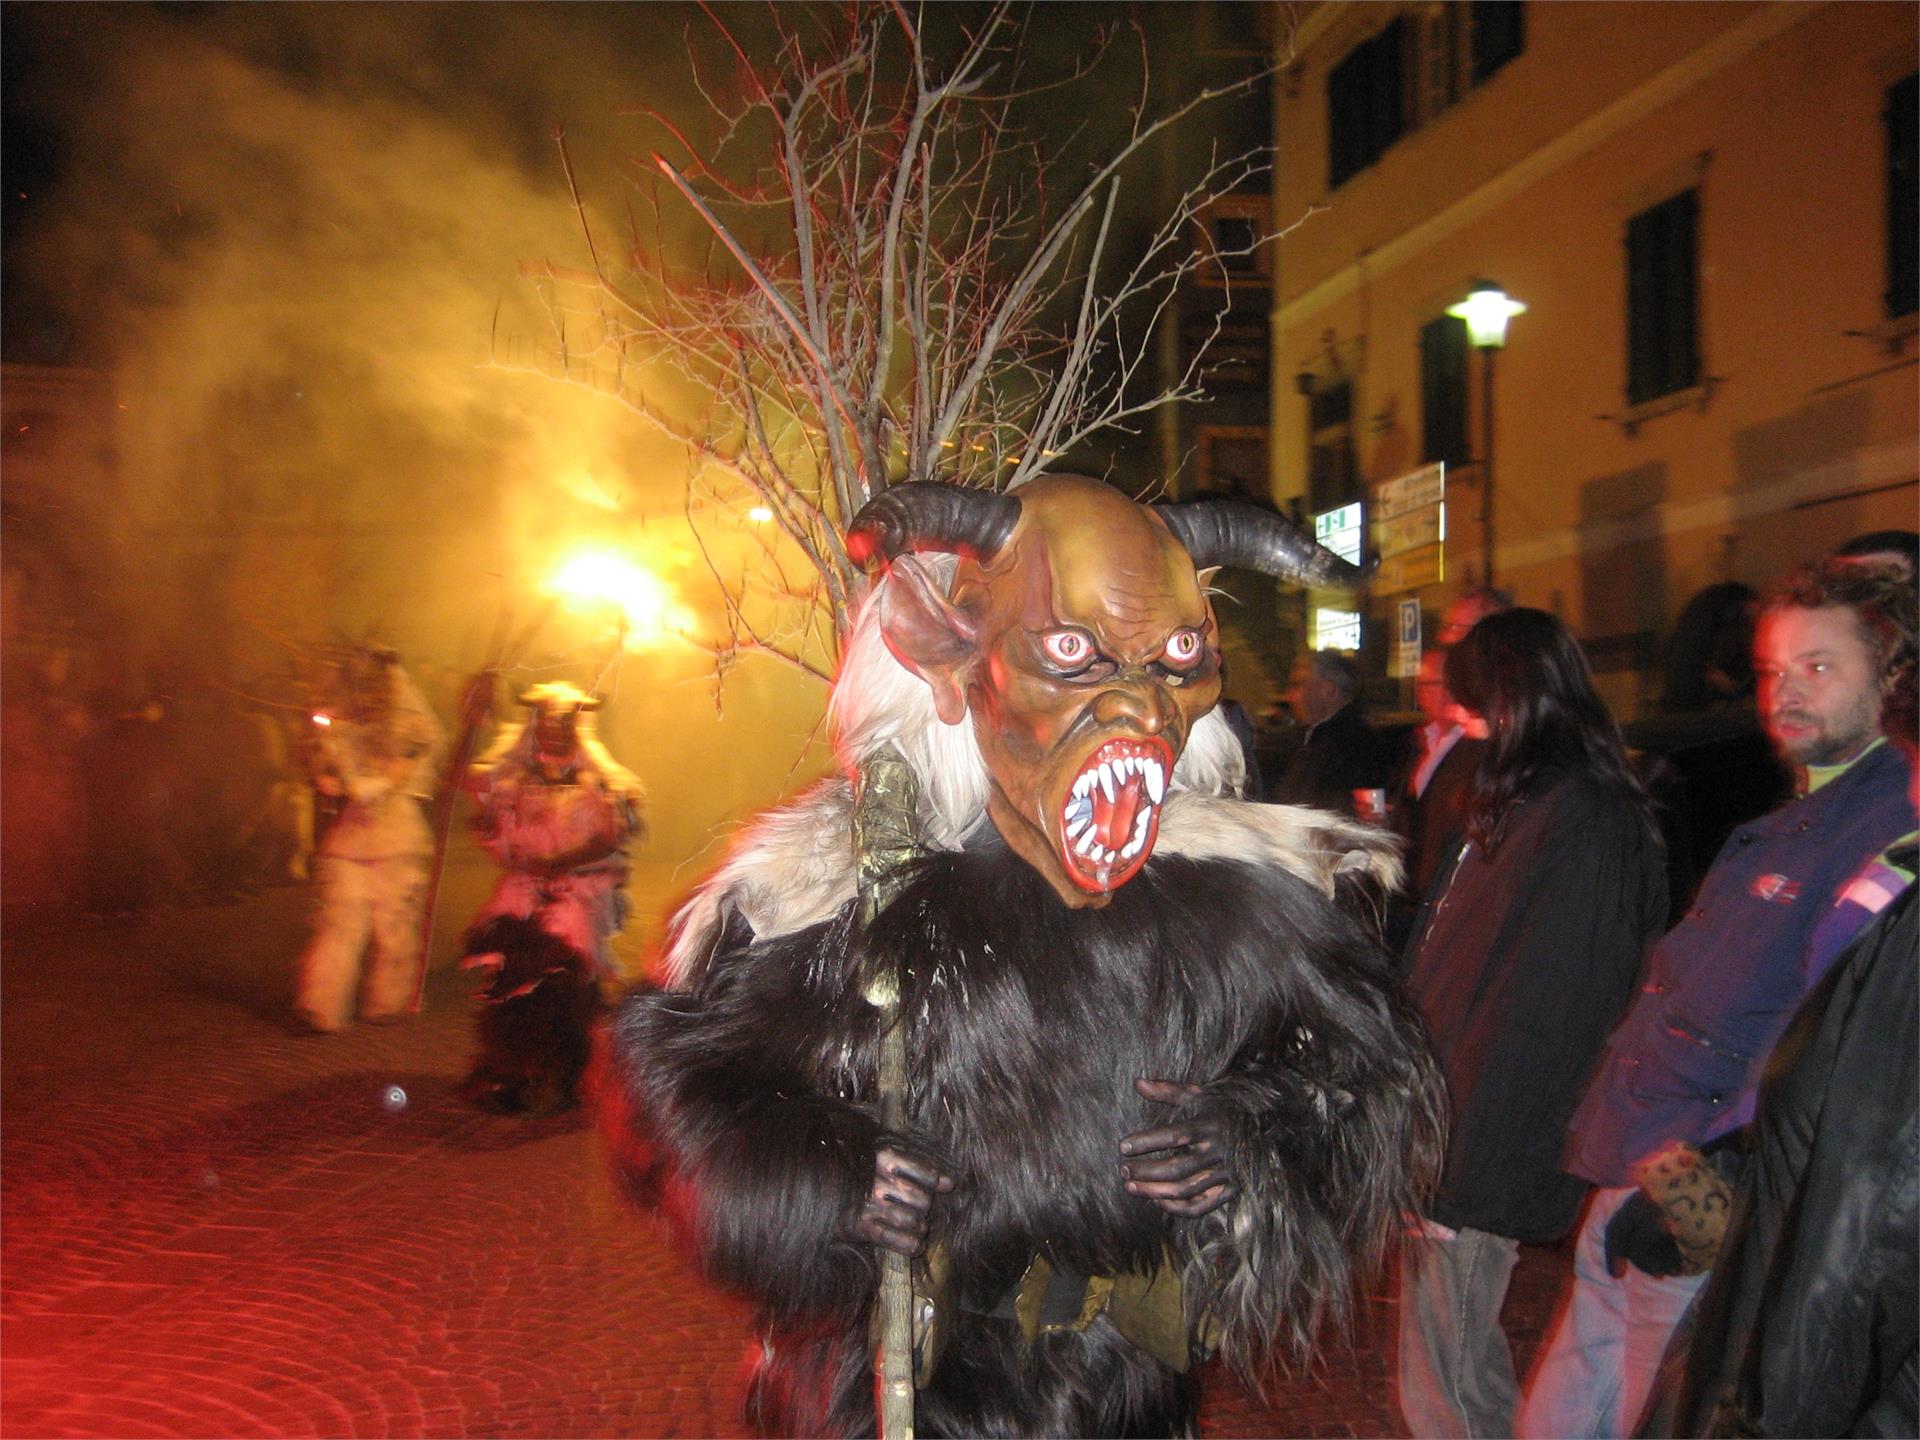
(1693, 1198)
(1637, 1236)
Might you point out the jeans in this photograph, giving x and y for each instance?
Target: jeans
(1456, 1368)
(1600, 1362)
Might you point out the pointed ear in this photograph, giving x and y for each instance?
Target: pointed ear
(928, 634)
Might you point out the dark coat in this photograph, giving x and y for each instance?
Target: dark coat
(1809, 1324)
(1027, 1024)
(1522, 962)
(1432, 824)
(1340, 755)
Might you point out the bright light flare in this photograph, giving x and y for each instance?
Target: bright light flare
(650, 613)
(323, 721)
(760, 514)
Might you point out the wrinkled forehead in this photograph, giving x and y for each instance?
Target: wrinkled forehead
(1086, 555)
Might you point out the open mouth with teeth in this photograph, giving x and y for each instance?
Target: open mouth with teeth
(1112, 814)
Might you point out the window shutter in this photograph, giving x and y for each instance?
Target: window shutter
(1443, 390)
(1663, 299)
(1903, 199)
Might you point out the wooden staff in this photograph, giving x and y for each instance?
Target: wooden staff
(884, 840)
(446, 796)
(472, 718)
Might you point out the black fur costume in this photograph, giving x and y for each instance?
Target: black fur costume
(752, 1113)
(536, 1019)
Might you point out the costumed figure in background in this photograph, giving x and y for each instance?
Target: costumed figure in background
(378, 754)
(557, 812)
(1157, 1096)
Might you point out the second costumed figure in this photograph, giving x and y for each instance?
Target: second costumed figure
(558, 813)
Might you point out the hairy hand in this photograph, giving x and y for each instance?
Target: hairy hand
(894, 1215)
(1186, 1168)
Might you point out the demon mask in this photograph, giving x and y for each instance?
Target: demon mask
(556, 707)
(1077, 635)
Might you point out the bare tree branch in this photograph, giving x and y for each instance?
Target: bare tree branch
(896, 282)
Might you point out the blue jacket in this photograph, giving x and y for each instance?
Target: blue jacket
(1721, 985)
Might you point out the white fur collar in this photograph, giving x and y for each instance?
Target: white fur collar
(794, 866)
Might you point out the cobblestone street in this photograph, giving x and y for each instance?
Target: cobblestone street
(215, 1226)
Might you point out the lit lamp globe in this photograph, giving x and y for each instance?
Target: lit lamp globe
(1487, 310)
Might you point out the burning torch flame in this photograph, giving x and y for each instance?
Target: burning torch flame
(649, 611)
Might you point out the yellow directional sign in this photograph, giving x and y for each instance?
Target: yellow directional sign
(1412, 491)
(1400, 533)
(1410, 569)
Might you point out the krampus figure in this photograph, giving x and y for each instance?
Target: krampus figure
(1160, 1098)
(375, 754)
(557, 811)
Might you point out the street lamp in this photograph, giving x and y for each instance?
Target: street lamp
(1487, 309)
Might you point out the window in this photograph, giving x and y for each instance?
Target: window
(1903, 200)
(1663, 353)
(1229, 27)
(1233, 461)
(1499, 34)
(1366, 104)
(1235, 231)
(1333, 478)
(1412, 72)
(1443, 390)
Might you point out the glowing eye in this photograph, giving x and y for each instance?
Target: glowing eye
(1183, 647)
(1067, 647)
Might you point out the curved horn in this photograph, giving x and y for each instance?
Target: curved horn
(1232, 532)
(929, 515)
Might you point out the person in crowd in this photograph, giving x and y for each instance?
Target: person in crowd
(1340, 752)
(1809, 1321)
(557, 812)
(377, 751)
(1467, 609)
(1709, 654)
(1704, 757)
(1681, 1071)
(1254, 785)
(1428, 798)
(1429, 809)
(1523, 957)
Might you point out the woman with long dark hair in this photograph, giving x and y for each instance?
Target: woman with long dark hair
(1522, 957)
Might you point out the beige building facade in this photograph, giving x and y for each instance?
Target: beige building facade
(1701, 206)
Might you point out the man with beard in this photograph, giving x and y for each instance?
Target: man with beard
(1159, 1096)
(1681, 1072)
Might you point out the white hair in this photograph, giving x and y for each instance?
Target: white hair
(878, 701)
